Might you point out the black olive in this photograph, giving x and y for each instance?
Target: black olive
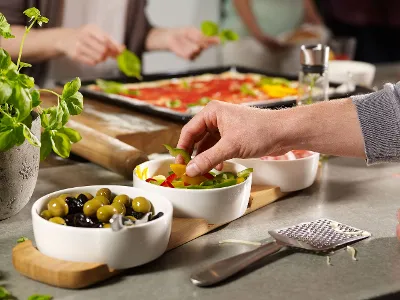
(97, 225)
(82, 221)
(70, 220)
(74, 206)
(137, 215)
(82, 198)
(129, 211)
(159, 215)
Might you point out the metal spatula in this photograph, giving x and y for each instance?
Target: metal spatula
(322, 235)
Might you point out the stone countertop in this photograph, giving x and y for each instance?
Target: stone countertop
(347, 191)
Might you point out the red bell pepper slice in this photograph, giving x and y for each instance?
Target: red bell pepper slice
(208, 176)
(171, 178)
(150, 179)
(167, 184)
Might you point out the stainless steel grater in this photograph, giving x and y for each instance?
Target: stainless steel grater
(319, 236)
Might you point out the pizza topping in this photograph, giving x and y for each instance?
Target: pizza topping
(273, 81)
(173, 103)
(202, 102)
(245, 89)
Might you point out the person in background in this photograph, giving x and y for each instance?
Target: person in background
(83, 38)
(258, 23)
(373, 23)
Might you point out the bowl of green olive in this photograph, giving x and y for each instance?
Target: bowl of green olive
(80, 224)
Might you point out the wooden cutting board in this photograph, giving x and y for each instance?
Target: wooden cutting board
(31, 263)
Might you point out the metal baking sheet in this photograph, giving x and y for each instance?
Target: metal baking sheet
(170, 114)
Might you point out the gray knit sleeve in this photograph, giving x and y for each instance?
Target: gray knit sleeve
(379, 116)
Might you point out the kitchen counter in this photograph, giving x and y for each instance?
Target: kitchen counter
(346, 191)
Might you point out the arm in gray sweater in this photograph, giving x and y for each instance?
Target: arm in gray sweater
(379, 116)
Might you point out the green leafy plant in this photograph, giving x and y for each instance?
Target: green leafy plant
(18, 98)
(210, 28)
(4, 294)
(129, 64)
(22, 239)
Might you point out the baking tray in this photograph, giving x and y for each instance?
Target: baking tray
(166, 113)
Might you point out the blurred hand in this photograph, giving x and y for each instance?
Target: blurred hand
(188, 42)
(271, 43)
(224, 131)
(87, 44)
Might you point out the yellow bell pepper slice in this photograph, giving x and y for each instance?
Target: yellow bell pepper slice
(239, 180)
(178, 169)
(193, 180)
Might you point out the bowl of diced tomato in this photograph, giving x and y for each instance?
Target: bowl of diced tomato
(293, 171)
(217, 196)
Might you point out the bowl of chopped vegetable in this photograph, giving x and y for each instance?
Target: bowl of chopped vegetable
(76, 225)
(218, 197)
(294, 171)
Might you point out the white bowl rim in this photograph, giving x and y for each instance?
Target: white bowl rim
(36, 215)
(283, 161)
(191, 190)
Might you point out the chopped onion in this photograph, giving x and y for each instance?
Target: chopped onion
(328, 260)
(352, 251)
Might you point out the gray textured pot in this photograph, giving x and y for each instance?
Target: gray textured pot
(19, 168)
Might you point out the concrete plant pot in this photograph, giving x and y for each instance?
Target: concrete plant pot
(19, 168)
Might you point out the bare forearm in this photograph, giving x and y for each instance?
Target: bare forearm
(244, 10)
(329, 127)
(311, 13)
(39, 45)
(156, 39)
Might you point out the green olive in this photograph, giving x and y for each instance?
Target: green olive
(89, 196)
(90, 208)
(58, 220)
(119, 207)
(123, 199)
(64, 196)
(58, 207)
(46, 214)
(103, 200)
(104, 192)
(105, 213)
(106, 225)
(141, 204)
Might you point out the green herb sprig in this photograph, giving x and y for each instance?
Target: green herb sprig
(210, 28)
(18, 98)
(129, 64)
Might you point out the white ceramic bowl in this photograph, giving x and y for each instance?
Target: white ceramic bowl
(289, 175)
(361, 73)
(130, 247)
(217, 206)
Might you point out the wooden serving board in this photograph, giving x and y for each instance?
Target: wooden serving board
(31, 263)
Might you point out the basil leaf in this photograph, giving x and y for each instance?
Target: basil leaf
(5, 91)
(7, 121)
(40, 297)
(26, 81)
(12, 74)
(204, 100)
(32, 139)
(35, 94)
(19, 137)
(228, 35)
(5, 60)
(61, 144)
(32, 12)
(5, 29)
(273, 81)
(129, 64)
(55, 117)
(209, 28)
(73, 135)
(75, 103)
(22, 239)
(7, 139)
(173, 103)
(45, 149)
(4, 294)
(70, 88)
(65, 112)
(44, 120)
(21, 100)
(24, 65)
(111, 87)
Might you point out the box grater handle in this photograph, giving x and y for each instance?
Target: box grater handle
(223, 269)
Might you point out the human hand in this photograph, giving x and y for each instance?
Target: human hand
(271, 43)
(224, 131)
(188, 42)
(87, 44)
